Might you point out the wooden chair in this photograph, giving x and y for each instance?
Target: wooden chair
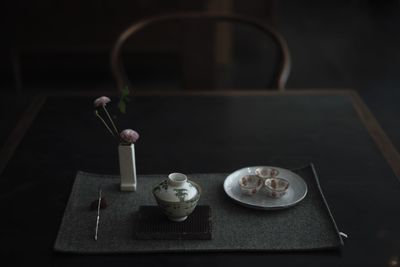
(118, 70)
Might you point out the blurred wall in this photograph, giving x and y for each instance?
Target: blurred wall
(341, 43)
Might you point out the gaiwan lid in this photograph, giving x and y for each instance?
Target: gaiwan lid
(177, 188)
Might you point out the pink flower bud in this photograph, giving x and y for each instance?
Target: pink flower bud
(129, 136)
(101, 101)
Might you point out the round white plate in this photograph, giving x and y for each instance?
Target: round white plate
(296, 192)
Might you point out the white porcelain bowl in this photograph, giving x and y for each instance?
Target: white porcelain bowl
(276, 187)
(250, 184)
(266, 172)
(177, 197)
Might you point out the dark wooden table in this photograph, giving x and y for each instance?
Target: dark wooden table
(205, 132)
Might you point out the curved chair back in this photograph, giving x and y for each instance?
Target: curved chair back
(118, 70)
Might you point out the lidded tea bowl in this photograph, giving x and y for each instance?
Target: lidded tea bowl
(177, 196)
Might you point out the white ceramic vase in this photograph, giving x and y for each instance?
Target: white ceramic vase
(127, 167)
(177, 196)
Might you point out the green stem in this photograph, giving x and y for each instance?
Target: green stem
(105, 124)
(112, 122)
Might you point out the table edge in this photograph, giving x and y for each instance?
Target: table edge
(377, 133)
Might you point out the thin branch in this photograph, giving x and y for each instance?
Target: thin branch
(112, 122)
(102, 120)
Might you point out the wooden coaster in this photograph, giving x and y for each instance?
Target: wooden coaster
(152, 224)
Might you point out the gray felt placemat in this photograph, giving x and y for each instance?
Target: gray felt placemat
(307, 226)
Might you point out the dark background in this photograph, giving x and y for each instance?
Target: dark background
(65, 45)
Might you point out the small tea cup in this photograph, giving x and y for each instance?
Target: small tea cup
(276, 187)
(250, 184)
(264, 172)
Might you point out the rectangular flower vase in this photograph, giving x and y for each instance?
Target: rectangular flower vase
(127, 167)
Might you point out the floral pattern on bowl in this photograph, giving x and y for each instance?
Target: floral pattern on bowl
(276, 187)
(250, 184)
(265, 172)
